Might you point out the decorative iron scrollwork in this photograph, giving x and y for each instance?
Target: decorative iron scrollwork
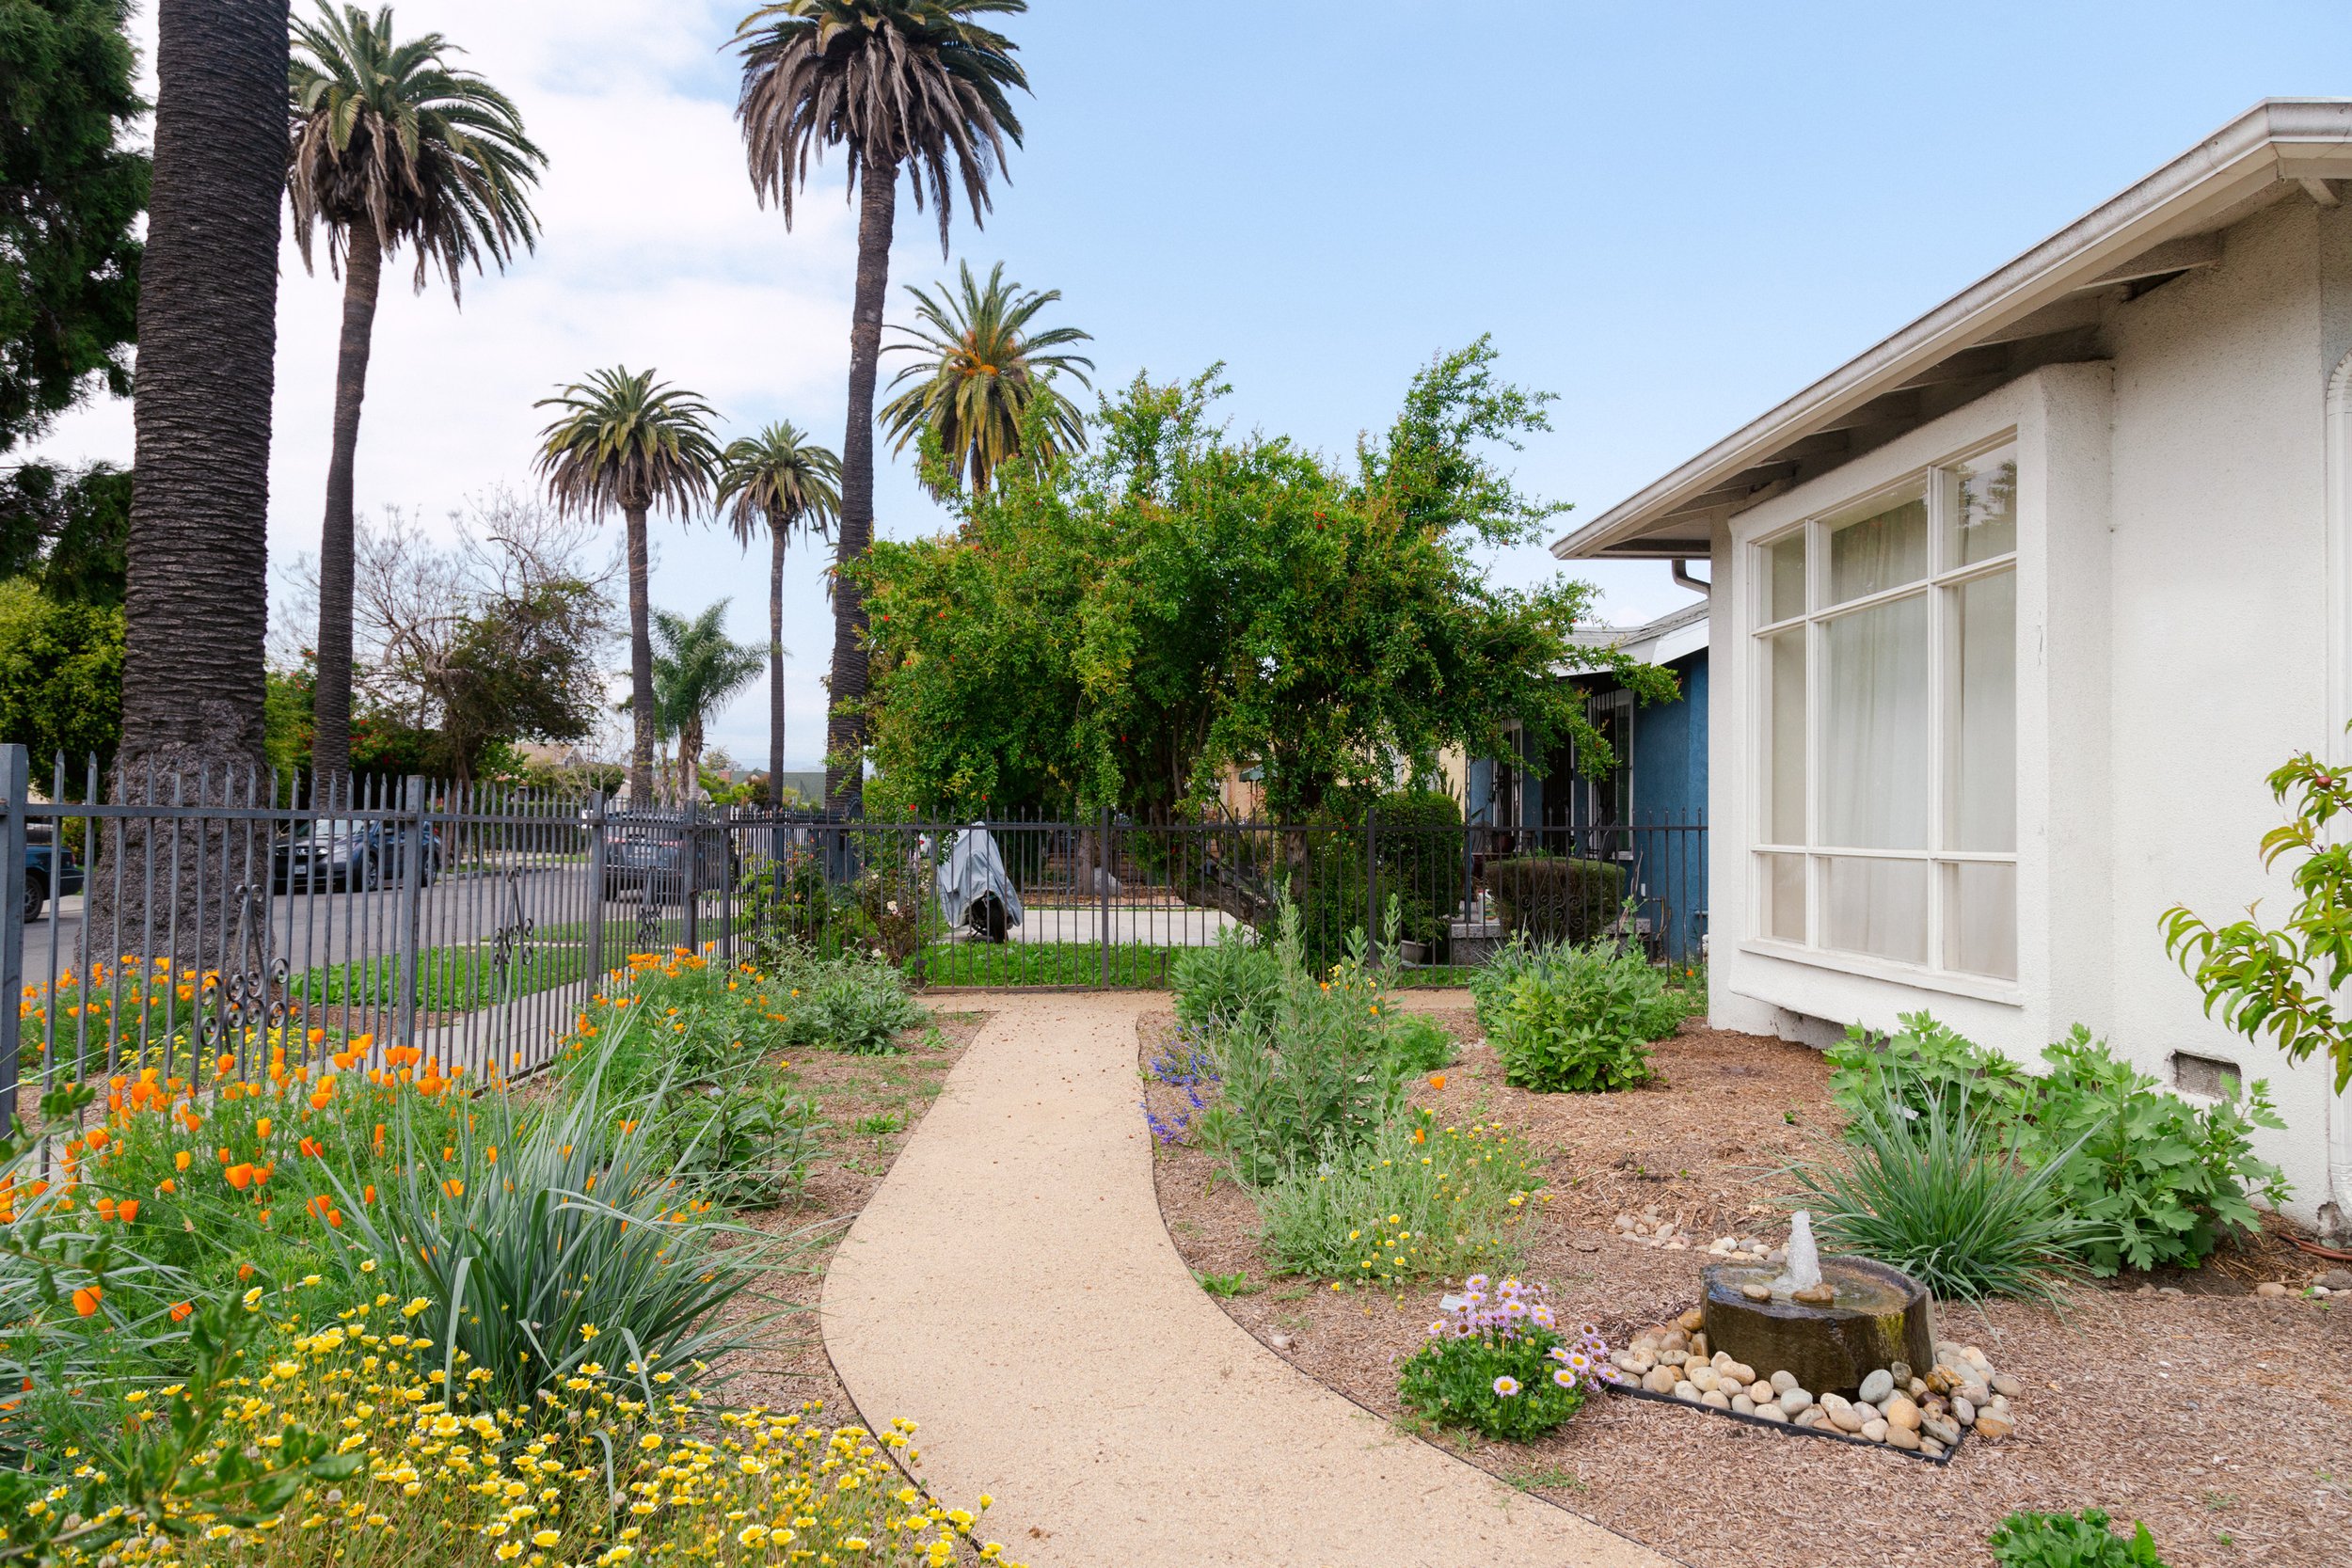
(516, 934)
(252, 989)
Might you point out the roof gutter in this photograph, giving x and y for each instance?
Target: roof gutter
(2277, 140)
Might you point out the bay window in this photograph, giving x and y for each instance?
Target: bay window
(1886, 649)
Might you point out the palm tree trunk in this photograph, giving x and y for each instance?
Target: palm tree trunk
(690, 757)
(640, 660)
(193, 678)
(775, 666)
(330, 720)
(845, 712)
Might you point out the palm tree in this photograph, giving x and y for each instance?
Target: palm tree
(391, 146)
(193, 671)
(778, 480)
(980, 374)
(913, 83)
(627, 440)
(696, 668)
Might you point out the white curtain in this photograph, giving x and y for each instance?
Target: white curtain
(1877, 750)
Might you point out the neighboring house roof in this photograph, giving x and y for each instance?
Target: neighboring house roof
(1670, 637)
(2044, 308)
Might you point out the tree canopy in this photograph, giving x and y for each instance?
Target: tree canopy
(70, 197)
(1123, 628)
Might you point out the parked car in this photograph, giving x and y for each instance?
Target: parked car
(645, 855)
(50, 870)
(352, 852)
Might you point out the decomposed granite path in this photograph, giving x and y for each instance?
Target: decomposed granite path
(1012, 1288)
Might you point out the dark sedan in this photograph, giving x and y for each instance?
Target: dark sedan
(350, 852)
(51, 871)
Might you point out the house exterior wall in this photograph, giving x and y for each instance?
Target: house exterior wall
(2177, 635)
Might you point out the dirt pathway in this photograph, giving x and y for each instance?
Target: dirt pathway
(1011, 1286)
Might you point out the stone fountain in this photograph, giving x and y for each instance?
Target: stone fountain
(1830, 1322)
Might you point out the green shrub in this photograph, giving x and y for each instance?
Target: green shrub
(1418, 1045)
(2164, 1181)
(858, 1006)
(1417, 839)
(1556, 898)
(2070, 1541)
(746, 1143)
(1936, 1193)
(1415, 1200)
(1495, 1362)
(1233, 980)
(1581, 1018)
(1316, 1077)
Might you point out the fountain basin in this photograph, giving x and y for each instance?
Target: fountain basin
(1878, 1316)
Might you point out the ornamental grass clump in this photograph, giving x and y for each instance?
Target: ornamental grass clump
(1419, 1199)
(1578, 1018)
(1317, 1077)
(1936, 1193)
(1497, 1361)
(431, 1463)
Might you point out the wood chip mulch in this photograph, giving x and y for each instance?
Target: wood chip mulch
(2221, 1417)
(848, 1165)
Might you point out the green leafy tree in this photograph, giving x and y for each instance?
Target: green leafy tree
(68, 529)
(696, 669)
(60, 678)
(73, 186)
(778, 483)
(391, 146)
(625, 440)
(901, 85)
(979, 370)
(1122, 628)
(2281, 981)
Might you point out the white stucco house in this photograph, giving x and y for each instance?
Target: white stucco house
(2013, 613)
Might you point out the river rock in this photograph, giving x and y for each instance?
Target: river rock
(1899, 1371)
(1754, 1291)
(1772, 1413)
(1877, 1386)
(1739, 1372)
(2336, 1279)
(1849, 1417)
(1903, 1437)
(2267, 1287)
(1810, 1417)
(1875, 1430)
(1965, 1410)
(1743, 1404)
(1782, 1381)
(1690, 1321)
(2004, 1384)
(1700, 1346)
(1995, 1424)
(1703, 1379)
(1685, 1390)
(1658, 1379)
(1932, 1448)
(1714, 1400)
(1794, 1400)
(1943, 1430)
(1762, 1392)
(1901, 1414)
(1975, 1393)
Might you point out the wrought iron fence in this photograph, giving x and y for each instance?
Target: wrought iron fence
(275, 921)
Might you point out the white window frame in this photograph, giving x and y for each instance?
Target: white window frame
(1940, 586)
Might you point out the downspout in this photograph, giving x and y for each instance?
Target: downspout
(2335, 1216)
(1696, 585)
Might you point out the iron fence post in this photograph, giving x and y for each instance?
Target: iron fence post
(1103, 890)
(408, 834)
(596, 890)
(690, 845)
(16, 772)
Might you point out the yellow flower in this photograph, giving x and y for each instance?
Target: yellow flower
(545, 1538)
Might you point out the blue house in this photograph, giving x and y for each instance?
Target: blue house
(1649, 810)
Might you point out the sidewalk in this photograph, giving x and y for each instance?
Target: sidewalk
(1012, 1288)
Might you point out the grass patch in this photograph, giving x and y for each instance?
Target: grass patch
(1227, 1285)
(1040, 963)
(449, 979)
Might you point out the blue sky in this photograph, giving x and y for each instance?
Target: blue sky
(1671, 215)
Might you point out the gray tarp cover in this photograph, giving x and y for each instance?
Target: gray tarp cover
(972, 867)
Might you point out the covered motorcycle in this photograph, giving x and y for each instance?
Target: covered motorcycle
(974, 887)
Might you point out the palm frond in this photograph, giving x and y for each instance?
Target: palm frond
(983, 382)
(778, 482)
(388, 136)
(625, 439)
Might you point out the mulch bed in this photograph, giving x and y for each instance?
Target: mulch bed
(2221, 1419)
(849, 1166)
